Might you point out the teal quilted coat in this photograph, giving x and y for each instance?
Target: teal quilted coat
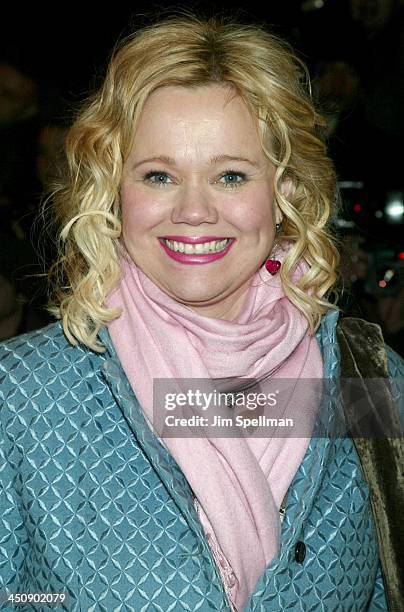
(92, 504)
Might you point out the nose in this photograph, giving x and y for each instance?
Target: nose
(194, 205)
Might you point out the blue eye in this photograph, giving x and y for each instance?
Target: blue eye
(233, 176)
(160, 175)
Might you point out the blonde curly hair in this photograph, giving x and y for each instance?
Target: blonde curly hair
(184, 49)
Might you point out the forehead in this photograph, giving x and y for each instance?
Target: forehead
(197, 113)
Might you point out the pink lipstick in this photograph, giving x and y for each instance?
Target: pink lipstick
(195, 258)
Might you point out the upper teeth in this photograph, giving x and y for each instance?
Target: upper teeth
(205, 247)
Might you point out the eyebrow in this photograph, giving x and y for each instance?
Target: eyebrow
(170, 161)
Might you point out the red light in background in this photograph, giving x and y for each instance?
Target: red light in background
(401, 255)
(382, 284)
(357, 207)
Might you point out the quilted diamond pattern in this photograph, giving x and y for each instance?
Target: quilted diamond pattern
(340, 565)
(83, 509)
(92, 503)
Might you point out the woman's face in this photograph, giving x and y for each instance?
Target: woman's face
(184, 179)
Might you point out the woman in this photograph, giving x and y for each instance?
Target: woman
(201, 134)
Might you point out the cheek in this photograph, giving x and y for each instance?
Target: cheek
(254, 213)
(139, 211)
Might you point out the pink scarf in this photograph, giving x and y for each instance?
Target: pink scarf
(238, 482)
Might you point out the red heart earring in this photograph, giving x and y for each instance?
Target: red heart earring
(272, 265)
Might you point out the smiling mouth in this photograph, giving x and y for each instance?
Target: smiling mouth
(214, 246)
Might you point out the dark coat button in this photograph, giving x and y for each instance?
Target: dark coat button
(300, 551)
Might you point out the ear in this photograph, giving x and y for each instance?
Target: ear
(287, 187)
(277, 213)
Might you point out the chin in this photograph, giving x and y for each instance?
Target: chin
(192, 298)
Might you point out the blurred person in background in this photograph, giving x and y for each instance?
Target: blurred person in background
(19, 107)
(359, 85)
(53, 122)
(379, 59)
(18, 312)
(359, 80)
(32, 129)
(366, 293)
